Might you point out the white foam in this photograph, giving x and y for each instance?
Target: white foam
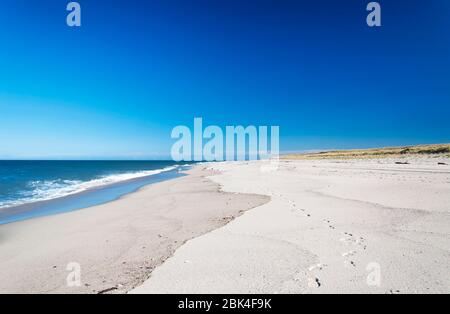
(48, 190)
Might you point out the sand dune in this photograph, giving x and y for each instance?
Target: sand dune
(387, 152)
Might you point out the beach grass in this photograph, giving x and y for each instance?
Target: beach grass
(441, 150)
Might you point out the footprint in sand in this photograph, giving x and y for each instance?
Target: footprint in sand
(328, 222)
(304, 211)
(350, 240)
(347, 254)
(361, 242)
(314, 283)
(294, 208)
(346, 241)
(349, 263)
(317, 267)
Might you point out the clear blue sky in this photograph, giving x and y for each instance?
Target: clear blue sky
(116, 87)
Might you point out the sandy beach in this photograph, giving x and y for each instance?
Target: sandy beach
(116, 244)
(342, 226)
(310, 226)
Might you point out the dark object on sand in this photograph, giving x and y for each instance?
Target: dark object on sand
(107, 290)
(402, 163)
(442, 164)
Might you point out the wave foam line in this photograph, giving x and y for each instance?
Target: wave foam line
(48, 190)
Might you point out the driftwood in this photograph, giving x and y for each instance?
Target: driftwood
(107, 290)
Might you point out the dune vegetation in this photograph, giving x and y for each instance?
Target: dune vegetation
(387, 152)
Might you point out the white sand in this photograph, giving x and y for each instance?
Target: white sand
(116, 244)
(367, 226)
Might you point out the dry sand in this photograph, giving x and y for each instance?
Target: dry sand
(116, 244)
(354, 226)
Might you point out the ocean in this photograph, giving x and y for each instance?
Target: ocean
(31, 189)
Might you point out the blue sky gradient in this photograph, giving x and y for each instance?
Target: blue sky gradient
(116, 87)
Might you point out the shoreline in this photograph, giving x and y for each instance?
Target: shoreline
(85, 199)
(116, 244)
(307, 227)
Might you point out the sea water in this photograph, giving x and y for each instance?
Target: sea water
(31, 189)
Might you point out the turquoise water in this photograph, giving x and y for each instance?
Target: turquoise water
(31, 189)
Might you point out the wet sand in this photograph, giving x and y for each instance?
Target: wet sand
(117, 244)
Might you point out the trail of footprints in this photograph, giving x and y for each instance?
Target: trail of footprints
(295, 208)
(350, 239)
(347, 238)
